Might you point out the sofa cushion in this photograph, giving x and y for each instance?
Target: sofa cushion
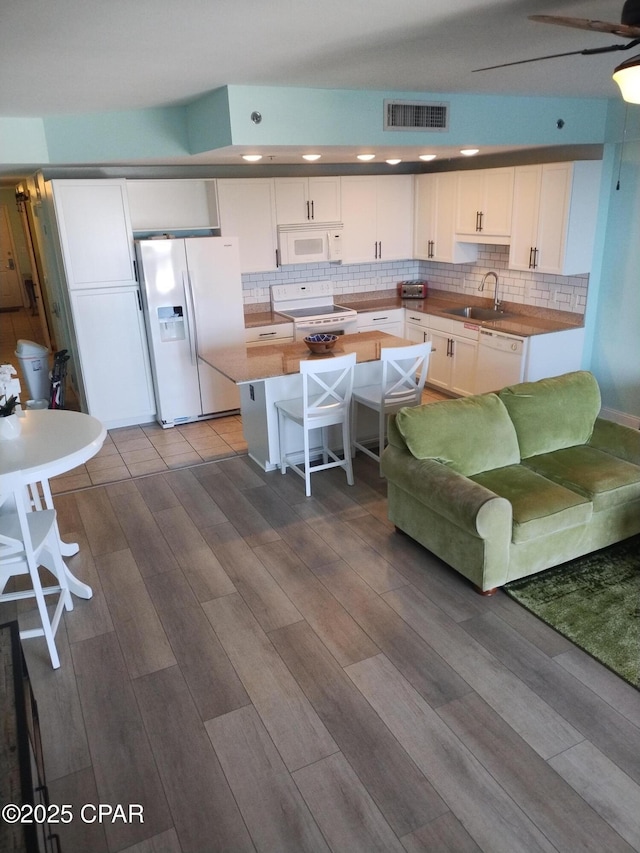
(471, 434)
(602, 478)
(553, 413)
(540, 506)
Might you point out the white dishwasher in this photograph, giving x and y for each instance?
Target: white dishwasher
(500, 360)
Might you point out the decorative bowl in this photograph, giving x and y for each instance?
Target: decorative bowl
(321, 342)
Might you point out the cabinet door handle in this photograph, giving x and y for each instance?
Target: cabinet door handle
(379, 249)
(277, 257)
(452, 348)
(313, 215)
(139, 300)
(535, 258)
(308, 216)
(135, 270)
(479, 216)
(531, 250)
(266, 334)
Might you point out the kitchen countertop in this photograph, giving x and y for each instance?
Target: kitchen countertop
(523, 320)
(251, 364)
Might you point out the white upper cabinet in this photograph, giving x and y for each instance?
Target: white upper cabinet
(377, 212)
(483, 208)
(305, 200)
(248, 212)
(435, 220)
(159, 205)
(554, 217)
(95, 232)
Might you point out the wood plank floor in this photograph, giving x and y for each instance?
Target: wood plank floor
(261, 671)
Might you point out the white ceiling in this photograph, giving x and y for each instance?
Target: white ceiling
(77, 56)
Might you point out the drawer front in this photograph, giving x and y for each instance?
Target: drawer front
(264, 334)
(416, 318)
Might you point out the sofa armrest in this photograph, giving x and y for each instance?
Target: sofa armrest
(467, 504)
(618, 440)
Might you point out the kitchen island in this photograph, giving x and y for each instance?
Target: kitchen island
(266, 374)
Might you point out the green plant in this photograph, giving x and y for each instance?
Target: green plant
(9, 406)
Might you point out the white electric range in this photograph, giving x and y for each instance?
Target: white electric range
(311, 307)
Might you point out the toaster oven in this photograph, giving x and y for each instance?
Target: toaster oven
(412, 289)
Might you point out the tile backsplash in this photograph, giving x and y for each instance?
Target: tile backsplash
(564, 293)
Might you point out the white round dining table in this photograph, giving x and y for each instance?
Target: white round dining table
(51, 442)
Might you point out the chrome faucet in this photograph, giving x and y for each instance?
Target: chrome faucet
(496, 302)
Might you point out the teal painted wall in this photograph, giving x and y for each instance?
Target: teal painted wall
(107, 137)
(355, 117)
(23, 140)
(613, 314)
(294, 117)
(208, 123)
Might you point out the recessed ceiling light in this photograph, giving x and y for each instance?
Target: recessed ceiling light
(252, 158)
(469, 152)
(428, 156)
(311, 156)
(366, 156)
(394, 161)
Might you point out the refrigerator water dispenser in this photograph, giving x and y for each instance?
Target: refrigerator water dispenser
(171, 321)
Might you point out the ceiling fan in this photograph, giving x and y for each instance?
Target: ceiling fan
(627, 74)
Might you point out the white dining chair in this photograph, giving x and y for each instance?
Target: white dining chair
(402, 378)
(29, 540)
(326, 401)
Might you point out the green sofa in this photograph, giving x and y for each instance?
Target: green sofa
(500, 486)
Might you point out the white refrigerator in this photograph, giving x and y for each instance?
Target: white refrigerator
(192, 298)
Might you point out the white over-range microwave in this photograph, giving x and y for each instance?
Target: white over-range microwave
(305, 244)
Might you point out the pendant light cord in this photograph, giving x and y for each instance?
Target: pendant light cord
(624, 139)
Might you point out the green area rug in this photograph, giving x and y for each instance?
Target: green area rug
(594, 601)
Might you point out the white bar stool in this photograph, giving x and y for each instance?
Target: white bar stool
(326, 401)
(404, 371)
(29, 540)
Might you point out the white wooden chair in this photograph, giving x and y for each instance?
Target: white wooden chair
(29, 540)
(403, 374)
(326, 401)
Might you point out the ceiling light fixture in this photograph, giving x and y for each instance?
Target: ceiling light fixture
(427, 157)
(311, 156)
(627, 76)
(394, 161)
(366, 156)
(252, 158)
(469, 152)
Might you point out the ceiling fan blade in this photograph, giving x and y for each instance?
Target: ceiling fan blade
(627, 31)
(586, 52)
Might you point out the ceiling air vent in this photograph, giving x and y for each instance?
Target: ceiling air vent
(415, 115)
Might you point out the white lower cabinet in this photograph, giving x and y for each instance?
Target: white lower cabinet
(114, 358)
(452, 365)
(259, 335)
(454, 350)
(416, 326)
(391, 322)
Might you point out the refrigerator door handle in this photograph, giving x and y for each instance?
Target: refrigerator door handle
(191, 317)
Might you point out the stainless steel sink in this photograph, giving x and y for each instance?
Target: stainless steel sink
(474, 313)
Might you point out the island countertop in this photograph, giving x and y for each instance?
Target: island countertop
(251, 364)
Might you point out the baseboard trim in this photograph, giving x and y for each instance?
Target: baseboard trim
(620, 418)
